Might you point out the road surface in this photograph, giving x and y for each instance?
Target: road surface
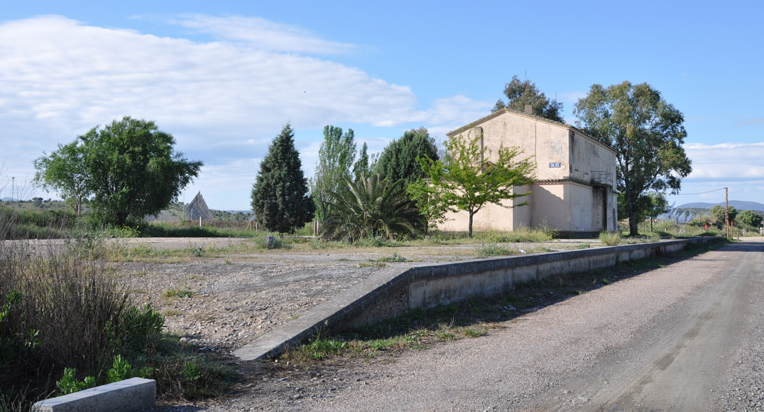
(687, 337)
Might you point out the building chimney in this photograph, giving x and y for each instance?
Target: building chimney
(528, 109)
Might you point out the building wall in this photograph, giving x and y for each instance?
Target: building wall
(579, 200)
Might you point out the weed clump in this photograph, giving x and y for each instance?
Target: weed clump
(63, 320)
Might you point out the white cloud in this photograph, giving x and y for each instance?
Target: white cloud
(263, 34)
(225, 99)
(72, 76)
(726, 161)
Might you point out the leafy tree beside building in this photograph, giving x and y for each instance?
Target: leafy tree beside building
(465, 181)
(280, 196)
(647, 134)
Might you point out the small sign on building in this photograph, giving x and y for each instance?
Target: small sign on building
(554, 165)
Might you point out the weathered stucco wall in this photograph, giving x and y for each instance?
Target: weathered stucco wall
(575, 175)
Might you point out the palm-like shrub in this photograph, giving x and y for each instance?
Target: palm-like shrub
(370, 207)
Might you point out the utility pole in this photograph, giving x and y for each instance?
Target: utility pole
(13, 187)
(727, 211)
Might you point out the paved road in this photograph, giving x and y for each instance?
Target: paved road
(686, 337)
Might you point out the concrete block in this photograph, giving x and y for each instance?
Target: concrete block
(129, 395)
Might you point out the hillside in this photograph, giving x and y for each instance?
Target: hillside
(738, 204)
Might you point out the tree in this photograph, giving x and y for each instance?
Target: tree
(399, 160)
(647, 135)
(718, 212)
(280, 197)
(335, 161)
(655, 205)
(361, 166)
(63, 171)
(464, 181)
(522, 93)
(432, 209)
(370, 207)
(750, 218)
(128, 167)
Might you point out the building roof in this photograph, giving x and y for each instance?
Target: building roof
(530, 116)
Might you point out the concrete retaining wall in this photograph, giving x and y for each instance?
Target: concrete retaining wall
(129, 395)
(392, 293)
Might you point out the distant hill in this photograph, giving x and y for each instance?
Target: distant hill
(738, 204)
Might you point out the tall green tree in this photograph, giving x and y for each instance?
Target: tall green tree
(64, 172)
(656, 205)
(399, 160)
(520, 93)
(464, 181)
(647, 134)
(280, 197)
(335, 162)
(750, 218)
(718, 212)
(362, 166)
(129, 167)
(370, 207)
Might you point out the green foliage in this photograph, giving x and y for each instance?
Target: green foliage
(493, 249)
(369, 208)
(750, 218)
(718, 213)
(610, 238)
(362, 166)
(280, 197)
(335, 161)
(129, 167)
(69, 383)
(65, 171)
(400, 159)
(647, 134)
(58, 311)
(522, 93)
(466, 181)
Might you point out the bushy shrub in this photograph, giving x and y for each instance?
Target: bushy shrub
(62, 318)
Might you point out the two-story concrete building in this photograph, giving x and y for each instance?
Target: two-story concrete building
(575, 177)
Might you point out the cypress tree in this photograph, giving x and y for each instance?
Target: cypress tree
(280, 196)
(399, 159)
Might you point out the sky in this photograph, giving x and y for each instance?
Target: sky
(224, 77)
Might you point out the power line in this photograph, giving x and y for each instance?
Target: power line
(700, 193)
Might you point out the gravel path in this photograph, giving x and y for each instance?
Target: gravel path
(685, 337)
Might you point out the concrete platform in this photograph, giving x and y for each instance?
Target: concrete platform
(392, 292)
(129, 395)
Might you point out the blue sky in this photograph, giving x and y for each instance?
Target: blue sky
(224, 77)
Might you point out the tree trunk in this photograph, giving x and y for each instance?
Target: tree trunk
(633, 230)
(471, 214)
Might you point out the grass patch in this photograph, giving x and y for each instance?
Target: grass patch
(610, 238)
(492, 249)
(394, 258)
(178, 293)
(372, 264)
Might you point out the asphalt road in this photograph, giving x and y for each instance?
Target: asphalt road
(687, 337)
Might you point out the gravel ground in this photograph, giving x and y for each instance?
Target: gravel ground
(686, 337)
(238, 296)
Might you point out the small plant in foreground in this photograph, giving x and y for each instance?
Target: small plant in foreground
(610, 238)
(394, 258)
(493, 249)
